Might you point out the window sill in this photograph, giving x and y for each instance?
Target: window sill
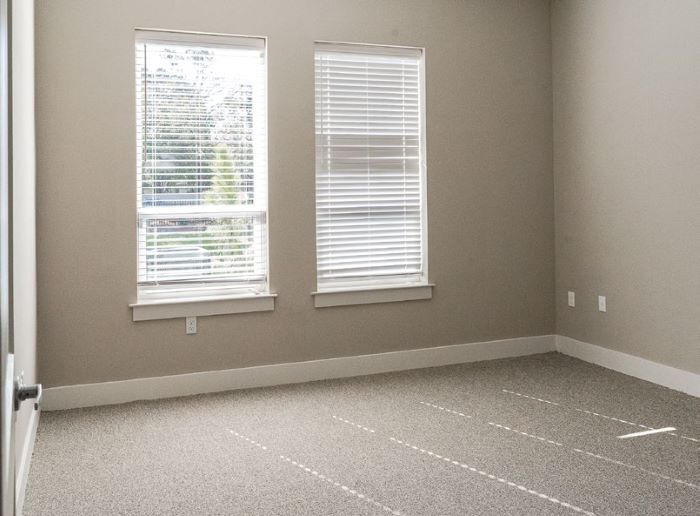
(371, 295)
(201, 306)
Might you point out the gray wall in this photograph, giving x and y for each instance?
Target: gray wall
(490, 191)
(23, 208)
(627, 175)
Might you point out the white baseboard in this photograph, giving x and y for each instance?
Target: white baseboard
(668, 376)
(24, 459)
(107, 393)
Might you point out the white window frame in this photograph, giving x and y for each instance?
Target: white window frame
(382, 290)
(166, 302)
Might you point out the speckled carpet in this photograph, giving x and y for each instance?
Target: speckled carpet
(535, 435)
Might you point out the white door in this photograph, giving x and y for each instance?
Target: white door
(7, 472)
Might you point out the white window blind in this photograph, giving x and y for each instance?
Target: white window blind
(201, 164)
(370, 166)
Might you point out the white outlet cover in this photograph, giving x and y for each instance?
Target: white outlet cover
(572, 299)
(190, 325)
(602, 304)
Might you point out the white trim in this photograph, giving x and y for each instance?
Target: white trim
(371, 295)
(369, 48)
(106, 393)
(88, 395)
(660, 374)
(25, 460)
(171, 309)
(204, 38)
(423, 112)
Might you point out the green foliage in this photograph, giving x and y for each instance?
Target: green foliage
(224, 182)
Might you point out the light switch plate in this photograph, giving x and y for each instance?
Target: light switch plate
(572, 299)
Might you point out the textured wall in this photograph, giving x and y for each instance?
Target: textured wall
(490, 191)
(627, 175)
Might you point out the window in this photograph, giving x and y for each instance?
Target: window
(370, 167)
(201, 165)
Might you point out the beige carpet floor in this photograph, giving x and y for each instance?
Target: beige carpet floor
(536, 435)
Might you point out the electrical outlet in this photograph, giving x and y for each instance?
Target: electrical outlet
(190, 325)
(602, 304)
(572, 298)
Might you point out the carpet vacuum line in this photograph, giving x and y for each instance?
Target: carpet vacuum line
(596, 414)
(320, 476)
(575, 450)
(447, 460)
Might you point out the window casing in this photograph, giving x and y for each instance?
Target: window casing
(201, 165)
(371, 229)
